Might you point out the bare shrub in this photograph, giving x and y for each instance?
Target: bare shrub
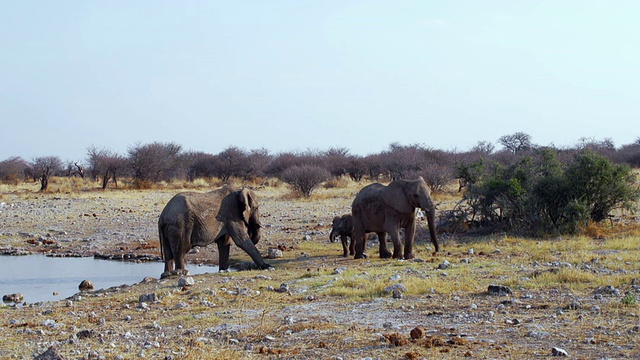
(153, 162)
(336, 161)
(12, 170)
(304, 179)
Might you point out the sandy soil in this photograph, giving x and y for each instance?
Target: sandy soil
(291, 312)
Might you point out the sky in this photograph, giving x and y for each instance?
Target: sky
(313, 75)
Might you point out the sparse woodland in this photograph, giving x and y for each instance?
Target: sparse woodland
(555, 228)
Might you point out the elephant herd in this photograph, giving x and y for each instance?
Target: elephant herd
(198, 219)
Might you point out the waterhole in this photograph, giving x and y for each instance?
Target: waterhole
(41, 278)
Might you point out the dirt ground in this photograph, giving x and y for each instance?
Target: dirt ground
(317, 304)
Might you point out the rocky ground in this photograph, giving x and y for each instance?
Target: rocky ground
(575, 299)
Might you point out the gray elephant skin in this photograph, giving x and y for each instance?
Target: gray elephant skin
(198, 219)
(386, 209)
(342, 226)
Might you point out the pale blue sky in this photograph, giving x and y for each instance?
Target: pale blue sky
(297, 75)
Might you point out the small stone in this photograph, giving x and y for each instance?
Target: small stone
(559, 352)
(85, 334)
(274, 253)
(400, 287)
(180, 305)
(499, 290)
(397, 294)
(444, 265)
(13, 298)
(418, 332)
(186, 281)
(151, 297)
(51, 354)
(85, 285)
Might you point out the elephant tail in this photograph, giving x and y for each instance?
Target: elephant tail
(162, 239)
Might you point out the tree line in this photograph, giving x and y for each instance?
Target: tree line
(146, 164)
(521, 186)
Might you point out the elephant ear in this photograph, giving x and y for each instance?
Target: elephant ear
(248, 202)
(394, 195)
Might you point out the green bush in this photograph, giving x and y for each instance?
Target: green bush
(539, 193)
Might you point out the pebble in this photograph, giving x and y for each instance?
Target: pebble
(186, 281)
(559, 352)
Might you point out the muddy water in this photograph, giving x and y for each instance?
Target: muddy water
(38, 277)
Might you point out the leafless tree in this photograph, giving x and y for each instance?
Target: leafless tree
(283, 161)
(46, 167)
(356, 168)
(230, 162)
(516, 142)
(483, 148)
(336, 160)
(259, 160)
(106, 165)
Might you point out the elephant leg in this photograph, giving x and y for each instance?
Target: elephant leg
(345, 246)
(384, 252)
(409, 235)
(352, 246)
(223, 255)
(358, 237)
(250, 248)
(181, 247)
(397, 244)
(167, 255)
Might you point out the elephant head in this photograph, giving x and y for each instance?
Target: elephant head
(407, 195)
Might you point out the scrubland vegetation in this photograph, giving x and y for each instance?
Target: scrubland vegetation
(557, 227)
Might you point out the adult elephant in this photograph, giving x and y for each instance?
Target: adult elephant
(198, 219)
(386, 209)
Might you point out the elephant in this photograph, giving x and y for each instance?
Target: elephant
(198, 219)
(385, 209)
(342, 226)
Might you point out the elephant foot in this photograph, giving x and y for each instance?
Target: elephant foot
(409, 256)
(385, 255)
(361, 256)
(266, 266)
(181, 272)
(346, 255)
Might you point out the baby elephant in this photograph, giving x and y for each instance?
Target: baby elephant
(342, 226)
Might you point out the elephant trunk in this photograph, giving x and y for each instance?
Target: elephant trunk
(332, 235)
(431, 219)
(426, 203)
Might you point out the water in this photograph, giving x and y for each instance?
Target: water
(37, 277)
